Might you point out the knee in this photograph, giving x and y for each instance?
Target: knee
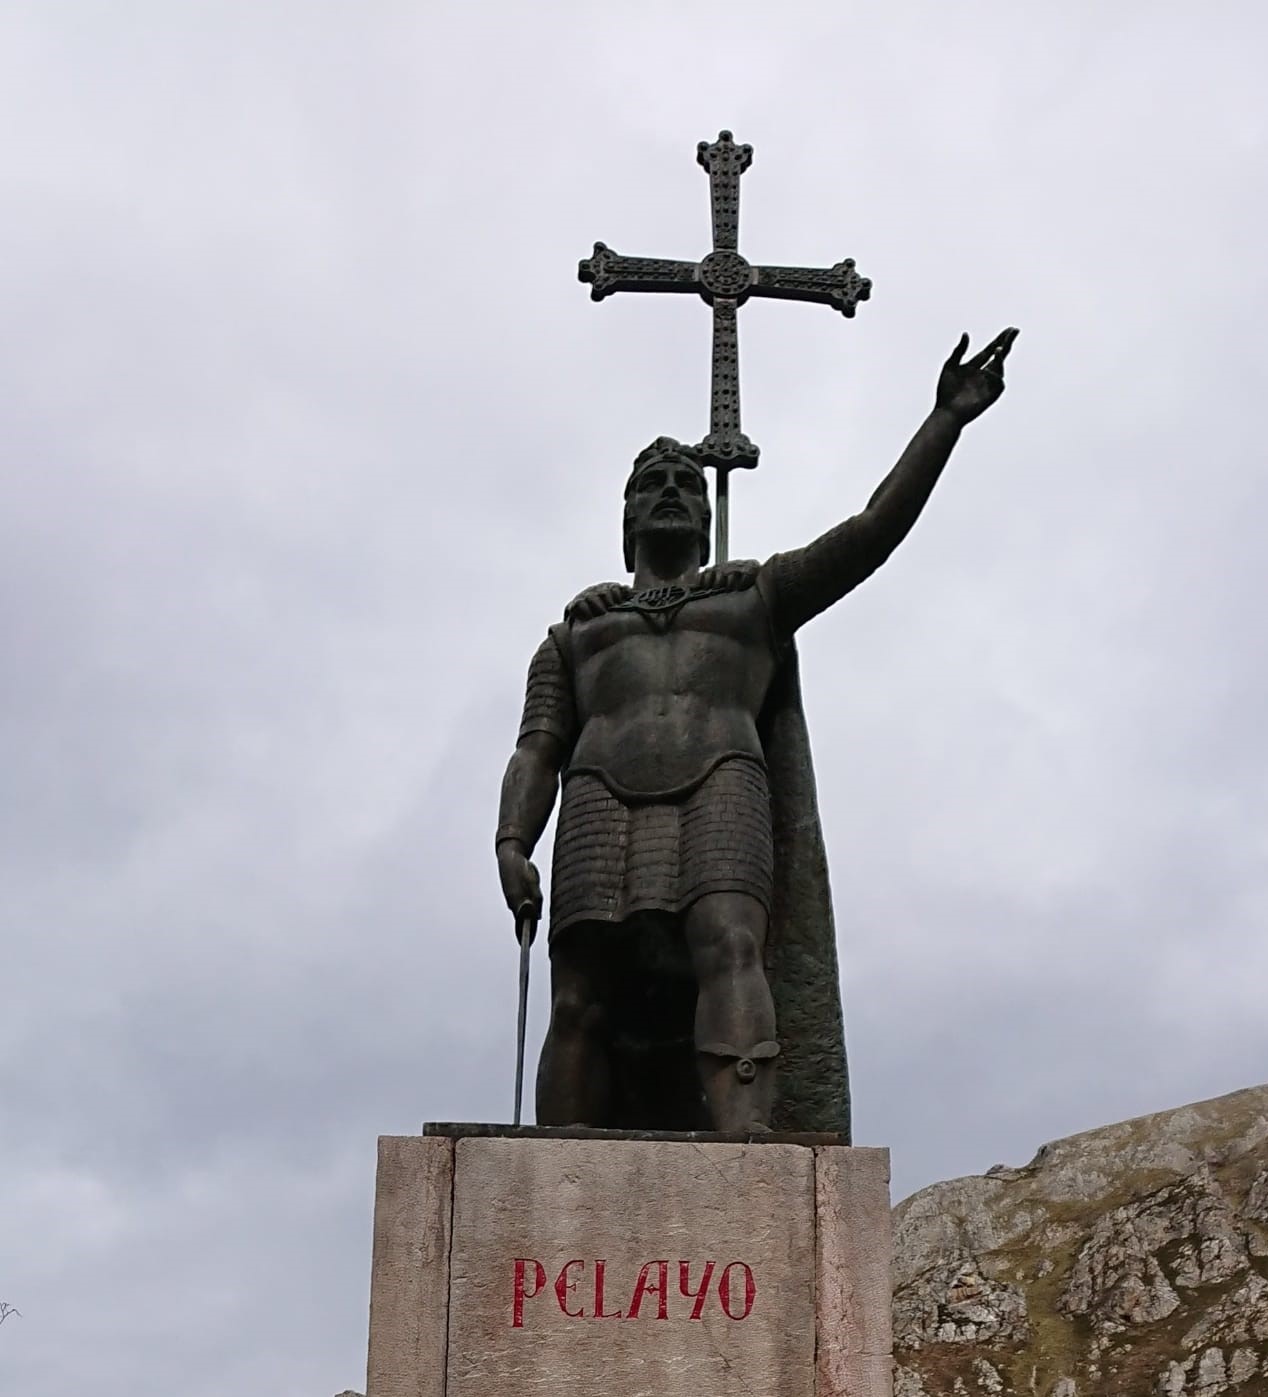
(574, 1012)
(726, 949)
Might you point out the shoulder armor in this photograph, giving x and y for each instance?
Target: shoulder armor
(594, 601)
(733, 576)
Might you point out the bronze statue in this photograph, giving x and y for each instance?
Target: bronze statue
(693, 959)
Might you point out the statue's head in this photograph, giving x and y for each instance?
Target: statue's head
(667, 494)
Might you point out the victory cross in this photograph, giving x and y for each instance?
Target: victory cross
(692, 950)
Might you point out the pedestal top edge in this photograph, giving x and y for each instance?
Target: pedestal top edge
(466, 1130)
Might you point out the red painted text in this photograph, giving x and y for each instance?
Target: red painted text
(584, 1289)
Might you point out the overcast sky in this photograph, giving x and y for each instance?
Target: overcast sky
(308, 433)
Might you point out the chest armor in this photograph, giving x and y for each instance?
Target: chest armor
(668, 684)
(659, 606)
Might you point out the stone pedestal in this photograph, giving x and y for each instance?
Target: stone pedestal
(511, 1262)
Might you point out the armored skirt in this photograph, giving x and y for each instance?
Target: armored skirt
(613, 859)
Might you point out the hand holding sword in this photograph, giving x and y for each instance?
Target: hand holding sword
(522, 885)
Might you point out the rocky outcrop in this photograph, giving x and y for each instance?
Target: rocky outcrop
(1125, 1262)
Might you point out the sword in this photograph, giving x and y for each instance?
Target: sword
(525, 930)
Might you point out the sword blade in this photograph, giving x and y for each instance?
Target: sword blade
(525, 927)
(722, 527)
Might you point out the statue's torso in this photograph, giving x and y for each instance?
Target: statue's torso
(660, 705)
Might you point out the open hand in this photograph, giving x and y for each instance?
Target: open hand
(967, 388)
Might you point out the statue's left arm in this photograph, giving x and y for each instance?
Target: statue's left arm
(547, 732)
(808, 580)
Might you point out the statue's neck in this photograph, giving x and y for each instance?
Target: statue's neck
(656, 568)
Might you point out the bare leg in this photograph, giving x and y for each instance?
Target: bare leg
(726, 935)
(574, 1077)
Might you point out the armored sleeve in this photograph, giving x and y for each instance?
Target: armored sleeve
(800, 584)
(549, 704)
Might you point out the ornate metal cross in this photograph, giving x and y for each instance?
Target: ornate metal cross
(725, 280)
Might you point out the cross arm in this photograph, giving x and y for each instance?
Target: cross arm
(724, 162)
(839, 286)
(606, 271)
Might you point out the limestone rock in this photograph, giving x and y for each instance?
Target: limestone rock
(988, 1376)
(1130, 1261)
(907, 1382)
(1255, 1211)
(1182, 1235)
(1257, 1199)
(1243, 1365)
(1240, 1317)
(954, 1303)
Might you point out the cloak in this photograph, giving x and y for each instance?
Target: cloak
(812, 1078)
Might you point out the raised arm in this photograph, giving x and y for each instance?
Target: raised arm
(809, 580)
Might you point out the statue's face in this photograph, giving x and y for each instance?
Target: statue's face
(669, 498)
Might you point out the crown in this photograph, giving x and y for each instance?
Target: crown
(664, 449)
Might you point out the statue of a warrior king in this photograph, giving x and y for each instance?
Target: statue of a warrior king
(693, 959)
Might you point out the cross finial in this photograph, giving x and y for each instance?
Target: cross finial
(725, 280)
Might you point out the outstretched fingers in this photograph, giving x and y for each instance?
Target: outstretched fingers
(1004, 342)
(953, 362)
(991, 359)
(996, 350)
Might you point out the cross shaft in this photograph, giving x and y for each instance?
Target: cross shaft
(725, 280)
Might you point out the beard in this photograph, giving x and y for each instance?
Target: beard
(667, 533)
(671, 530)
(672, 521)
